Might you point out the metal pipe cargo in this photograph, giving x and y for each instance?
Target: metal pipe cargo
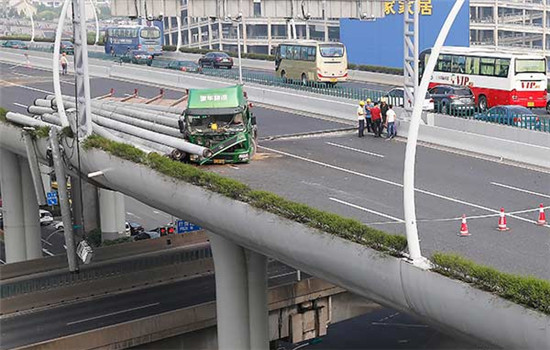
(38, 110)
(42, 102)
(159, 118)
(26, 120)
(51, 118)
(162, 129)
(156, 147)
(103, 132)
(152, 136)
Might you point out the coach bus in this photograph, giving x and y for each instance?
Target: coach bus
(136, 37)
(309, 60)
(495, 78)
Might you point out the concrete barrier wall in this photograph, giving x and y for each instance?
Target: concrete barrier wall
(26, 269)
(99, 287)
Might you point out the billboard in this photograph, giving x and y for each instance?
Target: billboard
(380, 42)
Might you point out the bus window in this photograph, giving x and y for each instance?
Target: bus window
(502, 66)
(487, 66)
(443, 63)
(150, 33)
(311, 52)
(472, 65)
(331, 50)
(458, 64)
(530, 66)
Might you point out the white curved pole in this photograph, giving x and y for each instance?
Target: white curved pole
(55, 65)
(412, 138)
(96, 21)
(178, 19)
(29, 12)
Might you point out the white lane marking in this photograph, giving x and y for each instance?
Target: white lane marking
(113, 313)
(366, 209)
(48, 243)
(19, 105)
(355, 149)
(399, 325)
(22, 74)
(520, 190)
(47, 252)
(27, 87)
(440, 196)
(134, 215)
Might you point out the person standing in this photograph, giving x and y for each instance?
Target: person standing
(383, 111)
(390, 122)
(361, 118)
(376, 116)
(64, 63)
(368, 116)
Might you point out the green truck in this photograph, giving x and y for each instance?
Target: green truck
(221, 120)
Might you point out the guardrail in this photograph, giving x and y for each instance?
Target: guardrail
(91, 273)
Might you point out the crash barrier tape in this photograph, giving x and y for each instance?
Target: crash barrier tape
(512, 213)
(37, 284)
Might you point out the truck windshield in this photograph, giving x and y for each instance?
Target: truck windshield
(204, 123)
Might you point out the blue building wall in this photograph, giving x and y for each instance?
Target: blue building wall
(380, 42)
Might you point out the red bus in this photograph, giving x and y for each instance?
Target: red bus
(495, 78)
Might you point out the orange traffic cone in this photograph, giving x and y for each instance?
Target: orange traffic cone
(542, 217)
(464, 227)
(502, 221)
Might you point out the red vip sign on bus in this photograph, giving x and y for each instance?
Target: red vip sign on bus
(528, 85)
(461, 80)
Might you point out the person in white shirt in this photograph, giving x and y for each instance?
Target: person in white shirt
(361, 118)
(64, 63)
(390, 122)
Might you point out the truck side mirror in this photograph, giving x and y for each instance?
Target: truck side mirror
(181, 125)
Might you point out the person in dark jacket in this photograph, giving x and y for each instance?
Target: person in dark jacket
(383, 110)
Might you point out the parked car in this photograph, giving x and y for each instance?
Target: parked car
(65, 47)
(137, 57)
(46, 217)
(511, 115)
(185, 66)
(396, 97)
(16, 44)
(451, 98)
(141, 236)
(133, 228)
(216, 60)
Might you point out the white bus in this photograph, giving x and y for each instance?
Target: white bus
(309, 60)
(495, 78)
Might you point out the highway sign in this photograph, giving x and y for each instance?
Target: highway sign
(185, 226)
(52, 198)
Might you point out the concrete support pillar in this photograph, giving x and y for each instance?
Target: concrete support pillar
(88, 219)
(31, 217)
(189, 38)
(112, 214)
(231, 294)
(245, 46)
(14, 229)
(257, 300)
(199, 38)
(170, 41)
(220, 32)
(210, 34)
(269, 44)
(307, 31)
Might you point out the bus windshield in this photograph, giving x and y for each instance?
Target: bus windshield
(331, 50)
(150, 33)
(530, 66)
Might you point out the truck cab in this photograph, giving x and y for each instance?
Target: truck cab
(221, 120)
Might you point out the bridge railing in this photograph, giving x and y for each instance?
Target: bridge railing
(94, 272)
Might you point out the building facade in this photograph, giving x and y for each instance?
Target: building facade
(258, 34)
(519, 25)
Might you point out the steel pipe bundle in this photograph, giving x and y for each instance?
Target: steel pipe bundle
(154, 129)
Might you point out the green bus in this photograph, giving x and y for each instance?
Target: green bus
(221, 120)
